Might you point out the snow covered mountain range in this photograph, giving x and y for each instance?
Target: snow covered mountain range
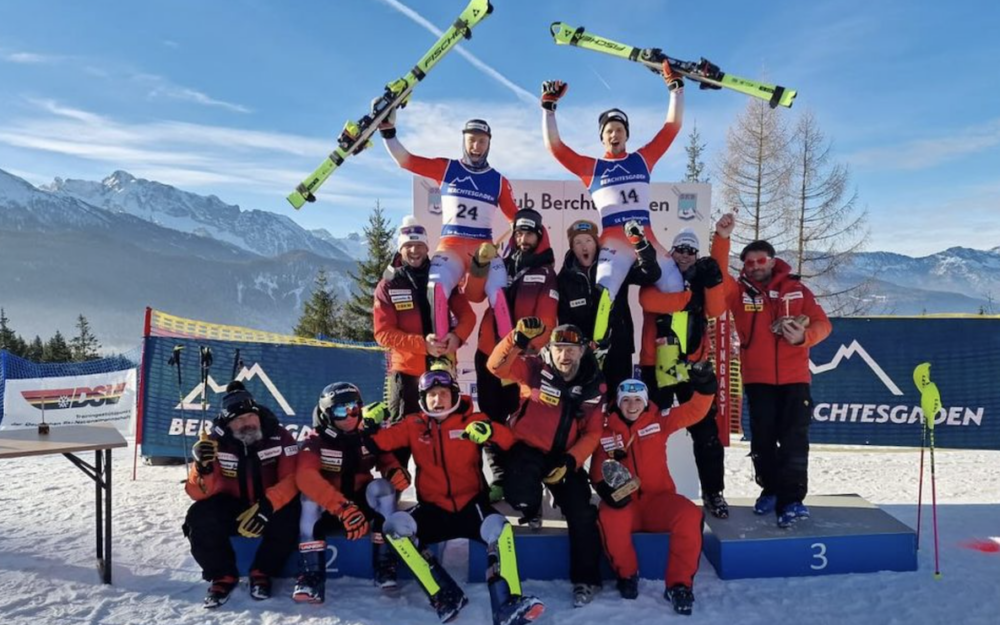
(107, 249)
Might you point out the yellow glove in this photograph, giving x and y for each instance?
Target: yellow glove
(374, 414)
(527, 328)
(254, 519)
(481, 260)
(479, 432)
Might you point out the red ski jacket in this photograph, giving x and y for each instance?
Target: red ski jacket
(449, 467)
(767, 358)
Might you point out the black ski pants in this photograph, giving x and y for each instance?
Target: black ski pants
(210, 522)
(779, 443)
(402, 398)
(497, 401)
(526, 466)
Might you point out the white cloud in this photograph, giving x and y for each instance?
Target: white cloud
(519, 91)
(161, 87)
(931, 152)
(29, 58)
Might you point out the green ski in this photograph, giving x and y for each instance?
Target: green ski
(708, 75)
(356, 134)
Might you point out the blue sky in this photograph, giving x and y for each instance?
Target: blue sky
(242, 99)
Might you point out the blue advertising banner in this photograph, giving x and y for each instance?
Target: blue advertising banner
(863, 390)
(286, 378)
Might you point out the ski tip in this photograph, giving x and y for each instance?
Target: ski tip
(296, 200)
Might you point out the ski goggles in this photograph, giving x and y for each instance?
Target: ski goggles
(338, 412)
(632, 387)
(413, 230)
(567, 336)
(432, 379)
(686, 250)
(751, 262)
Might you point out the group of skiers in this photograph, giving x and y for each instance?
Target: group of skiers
(556, 391)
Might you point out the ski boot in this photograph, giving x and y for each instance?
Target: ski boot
(509, 606)
(445, 596)
(681, 598)
(219, 591)
(311, 584)
(628, 587)
(385, 564)
(765, 504)
(260, 585)
(716, 505)
(584, 594)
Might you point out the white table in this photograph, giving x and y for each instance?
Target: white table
(67, 440)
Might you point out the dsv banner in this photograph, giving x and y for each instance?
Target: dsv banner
(863, 390)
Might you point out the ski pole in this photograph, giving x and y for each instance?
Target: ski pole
(920, 482)
(237, 365)
(206, 364)
(175, 361)
(930, 403)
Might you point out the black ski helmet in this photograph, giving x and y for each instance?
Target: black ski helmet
(338, 401)
(438, 378)
(612, 115)
(471, 126)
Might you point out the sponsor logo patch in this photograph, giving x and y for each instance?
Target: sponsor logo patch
(270, 452)
(576, 303)
(652, 428)
(291, 450)
(533, 278)
(404, 306)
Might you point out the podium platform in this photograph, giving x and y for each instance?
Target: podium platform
(544, 555)
(845, 534)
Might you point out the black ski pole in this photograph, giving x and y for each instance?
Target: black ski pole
(206, 364)
(237, 365)
(175, 361)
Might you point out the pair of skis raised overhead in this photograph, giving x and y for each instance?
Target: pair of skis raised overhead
(356, 135)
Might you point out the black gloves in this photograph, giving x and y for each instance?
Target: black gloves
(703, 378)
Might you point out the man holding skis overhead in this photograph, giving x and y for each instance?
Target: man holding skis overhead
(619, 186)
(471, 192)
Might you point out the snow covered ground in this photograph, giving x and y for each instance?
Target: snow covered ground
(47, 572)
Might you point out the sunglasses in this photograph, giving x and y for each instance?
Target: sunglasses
(631, 387)
(413, 230)
(751, 262)
(686, 249)
(571, 337)
(435, 378)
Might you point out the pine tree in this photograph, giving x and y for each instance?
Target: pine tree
(695, 150)
(10, 340)
(36, 350)
(57, 350)
(84, 346)
(321, 313)
(380, 236)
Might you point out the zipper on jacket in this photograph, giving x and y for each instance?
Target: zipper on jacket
(444, 469)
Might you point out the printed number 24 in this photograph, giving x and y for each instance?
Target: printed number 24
(472, 212)
(632, 197)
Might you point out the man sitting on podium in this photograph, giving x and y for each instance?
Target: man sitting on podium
(242, 481)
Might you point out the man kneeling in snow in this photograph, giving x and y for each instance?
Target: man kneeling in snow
(242, 481)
